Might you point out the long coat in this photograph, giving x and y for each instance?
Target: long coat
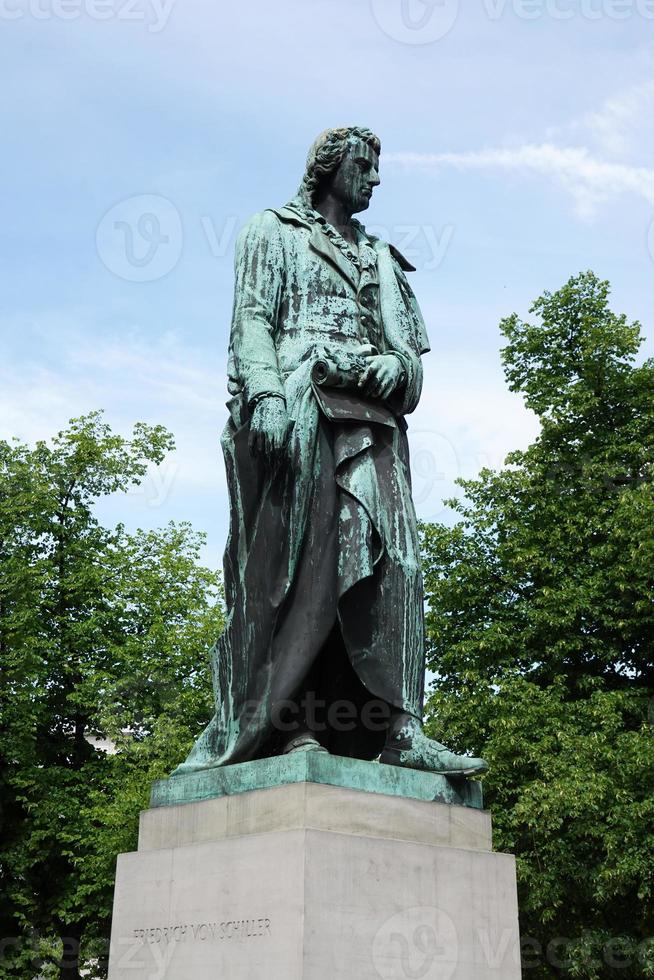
(328, 542)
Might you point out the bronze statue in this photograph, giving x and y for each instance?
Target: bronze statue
(324, 644)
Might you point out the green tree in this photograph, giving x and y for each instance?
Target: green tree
(541, 636)
(103, 640)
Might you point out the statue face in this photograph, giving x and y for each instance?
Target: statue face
(356, 177)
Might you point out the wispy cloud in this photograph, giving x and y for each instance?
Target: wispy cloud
(132, 379)
(618, 126)
(585, 157)
(590, 181)
(165, 370)
(466, 420)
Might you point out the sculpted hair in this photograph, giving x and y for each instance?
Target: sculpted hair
(326, 153)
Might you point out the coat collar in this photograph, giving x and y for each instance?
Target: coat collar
(323, 246)
(319, 242)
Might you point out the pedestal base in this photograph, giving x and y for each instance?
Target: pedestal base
(316, 767)
(308, 881)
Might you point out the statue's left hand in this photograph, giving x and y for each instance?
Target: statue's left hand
(270, 428)
(381, 376)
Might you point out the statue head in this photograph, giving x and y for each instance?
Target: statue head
(346, 160)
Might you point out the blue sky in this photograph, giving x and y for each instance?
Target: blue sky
(138, 135)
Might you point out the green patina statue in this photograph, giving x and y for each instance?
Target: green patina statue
(324, 644)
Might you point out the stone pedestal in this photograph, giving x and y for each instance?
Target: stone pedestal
(308, 880)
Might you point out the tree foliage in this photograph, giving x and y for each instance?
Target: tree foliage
(103, 639)
(541, 635)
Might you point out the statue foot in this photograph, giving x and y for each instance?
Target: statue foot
(408, 746)
(304, 743)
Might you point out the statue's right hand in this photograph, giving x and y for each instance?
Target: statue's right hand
(270, 428)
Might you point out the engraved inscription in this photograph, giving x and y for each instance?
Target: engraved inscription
(234, 930)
